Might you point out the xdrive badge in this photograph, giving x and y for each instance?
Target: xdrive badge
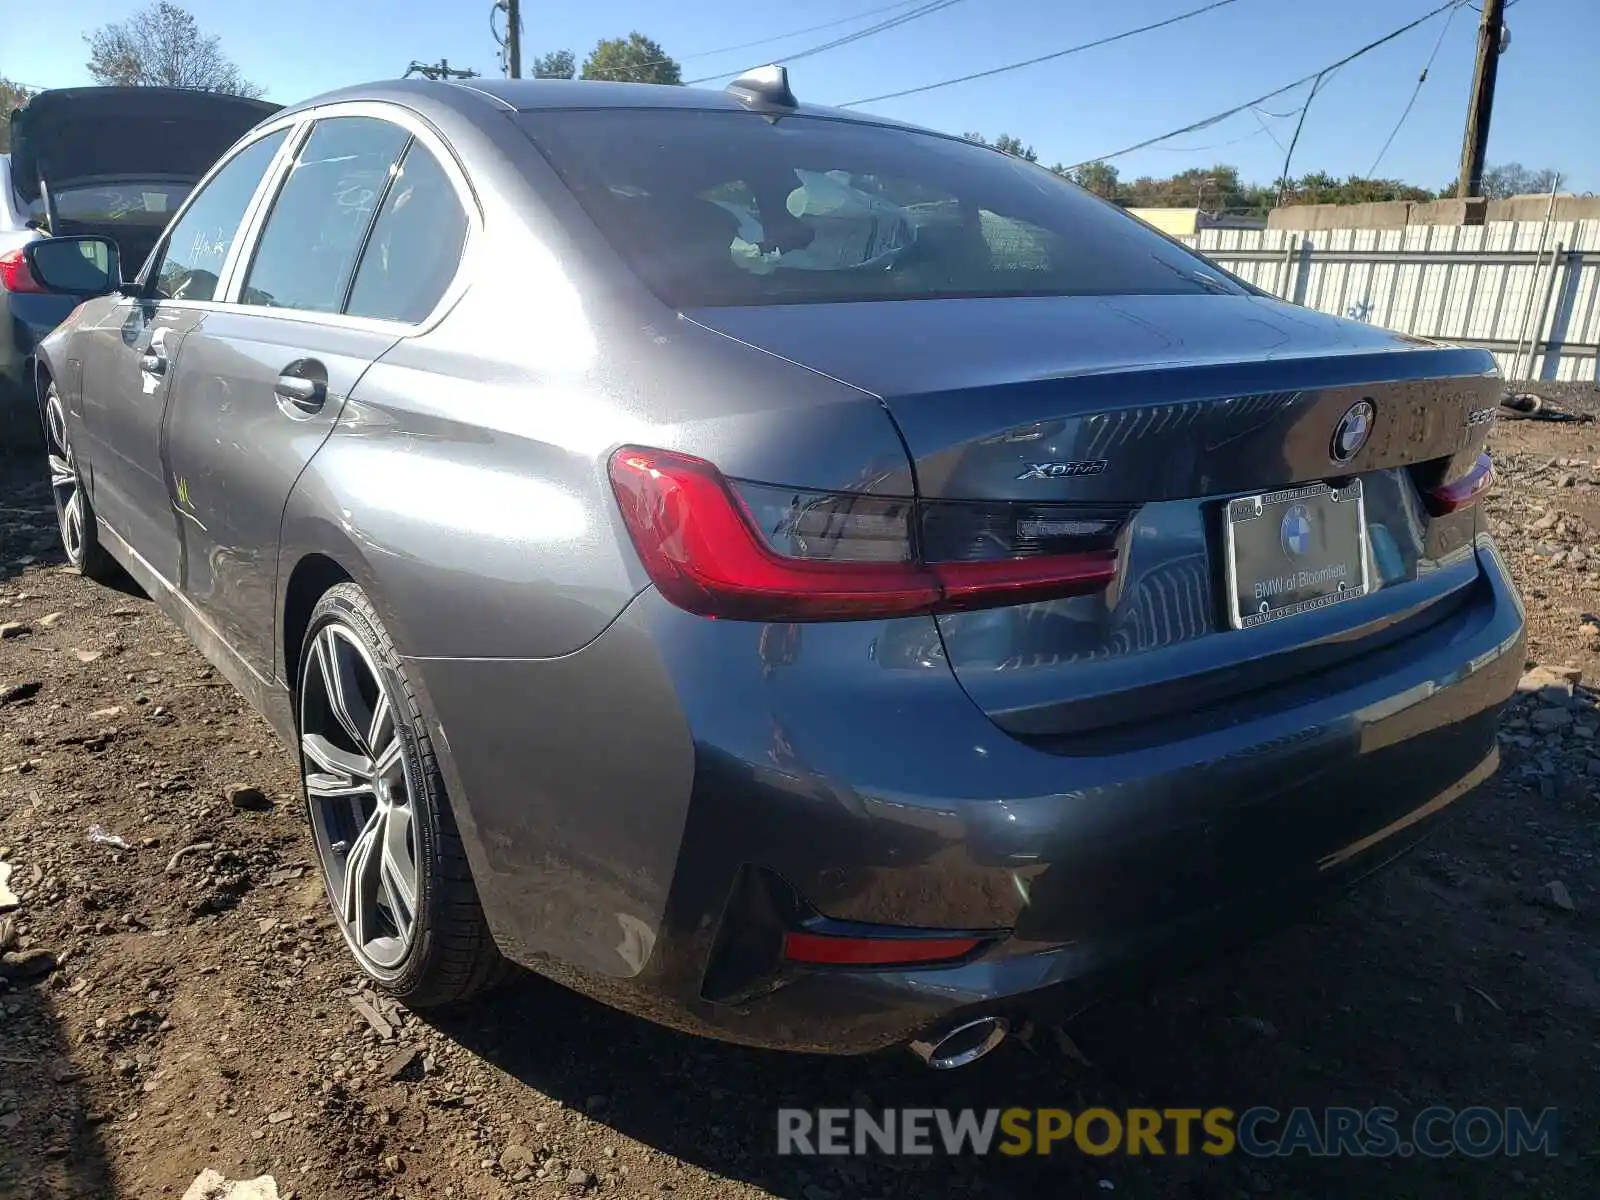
(1064, 470)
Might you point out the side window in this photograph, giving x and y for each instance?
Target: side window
(415, 246)
(308, 246)
(197, 244)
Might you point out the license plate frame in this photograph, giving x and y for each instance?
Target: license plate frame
(1336, 569)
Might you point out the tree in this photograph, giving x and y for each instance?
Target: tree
(12, 96)
(634, 59)
(1097, 177)
(162, 46)
(1321, 188)
(1514, 179)
(1006, 144)
(558, 64)
(1220, 189)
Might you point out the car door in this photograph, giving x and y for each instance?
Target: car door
(263, 381)
(130, 355)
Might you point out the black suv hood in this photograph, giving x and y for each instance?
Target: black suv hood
(73, 135)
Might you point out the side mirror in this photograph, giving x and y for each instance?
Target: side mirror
(75, 266)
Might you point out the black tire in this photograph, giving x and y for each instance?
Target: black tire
(75, 519)
(450, 954)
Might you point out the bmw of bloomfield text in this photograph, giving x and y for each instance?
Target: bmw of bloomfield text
(800, 578)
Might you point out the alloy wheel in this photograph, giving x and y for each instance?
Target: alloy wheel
(64, 484)
(360, 795)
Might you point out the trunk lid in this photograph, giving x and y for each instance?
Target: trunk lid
(119, 161)
(71, 136)
(1163, 409)
(1180, 396)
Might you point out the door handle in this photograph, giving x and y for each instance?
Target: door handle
(155, 364)
(306, 394)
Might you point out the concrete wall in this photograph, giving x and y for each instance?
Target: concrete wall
(1341, 216)
(1389, 214)
(1533, 208)
(1449, 212)
(1398, 214)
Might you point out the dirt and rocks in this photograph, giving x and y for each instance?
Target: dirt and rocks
(174, 997)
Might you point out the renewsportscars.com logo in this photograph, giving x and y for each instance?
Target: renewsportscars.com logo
(1260, 1132)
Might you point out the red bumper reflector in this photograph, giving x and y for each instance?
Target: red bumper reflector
(1452, 497)
(873, 952)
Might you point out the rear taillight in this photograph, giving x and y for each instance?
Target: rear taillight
(755, 552)
(14, 273)
(1458, 494)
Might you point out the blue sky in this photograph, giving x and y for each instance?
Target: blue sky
(1072, 109)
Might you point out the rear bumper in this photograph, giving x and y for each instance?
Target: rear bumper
(33, 317)
(838, 760)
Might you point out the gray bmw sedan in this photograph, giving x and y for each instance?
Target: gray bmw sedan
(805, 579)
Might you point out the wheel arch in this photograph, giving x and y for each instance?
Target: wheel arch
(43, 376)
(309, 579)
(314, 554)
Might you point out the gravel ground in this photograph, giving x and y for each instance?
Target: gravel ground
(180, 1000)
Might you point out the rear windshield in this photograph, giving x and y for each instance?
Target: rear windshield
(724, 208)
(136, 203)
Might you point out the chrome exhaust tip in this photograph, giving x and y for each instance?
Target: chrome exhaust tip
(963, 1045)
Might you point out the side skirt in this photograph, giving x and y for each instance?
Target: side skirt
(268, 697)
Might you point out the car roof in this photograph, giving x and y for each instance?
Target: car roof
(477, 96)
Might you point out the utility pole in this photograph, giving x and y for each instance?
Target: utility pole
(439, 70)
(511, 43)
(1475, 144)
(514, 37)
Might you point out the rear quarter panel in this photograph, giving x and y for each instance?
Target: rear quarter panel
(468, 468)
(467, 492)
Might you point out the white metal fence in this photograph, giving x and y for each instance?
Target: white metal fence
(1527, 291)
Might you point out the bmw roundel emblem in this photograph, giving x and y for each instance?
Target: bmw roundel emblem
(1352, 431)
(1296, 531)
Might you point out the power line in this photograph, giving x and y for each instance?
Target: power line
(924, 10)
(1115, 37)
(778, 37)
(1288, 155)
(1416, 91)
(1267, 129)
(1254, 133)
(1262, 99)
